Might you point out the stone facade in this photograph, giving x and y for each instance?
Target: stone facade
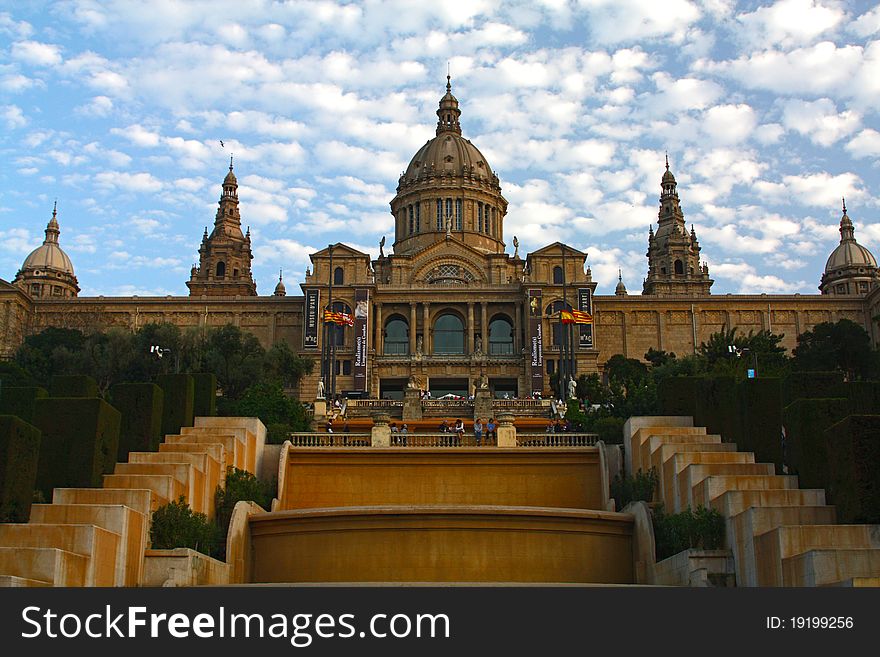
(448, 307)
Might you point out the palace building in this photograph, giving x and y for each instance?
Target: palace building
(452, 302)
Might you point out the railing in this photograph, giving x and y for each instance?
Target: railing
(439, 440)
(373, 403)
(556, 439)
(444, 407)
(329, 439)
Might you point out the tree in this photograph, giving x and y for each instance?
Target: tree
(591, 389)
(285, 366)
(658, 357)
(625, 370)
(268, 402)
(843, 346)
(236, 357)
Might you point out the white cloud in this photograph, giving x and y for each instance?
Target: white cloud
(729, 124)
(36, 53)
(99, 106)
(819, 120)
(788, 22)
(865, 144)
(624, 21)
(13, 116)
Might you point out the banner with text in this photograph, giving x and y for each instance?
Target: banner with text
(361, 317)
(310, 331)
(536, 341)
(585, 304)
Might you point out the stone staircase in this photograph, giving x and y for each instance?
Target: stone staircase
(100, 536)
(779, 535)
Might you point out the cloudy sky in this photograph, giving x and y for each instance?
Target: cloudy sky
(116, 108)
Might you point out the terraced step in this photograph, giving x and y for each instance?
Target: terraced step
(732, 502)
(754, 521)
(13, 582)
(778, 544)
(245, 437)
(823, 567)
(142, 500)
(165, 488)
(98, 545)
(654, 442)
(51, 565)
(234, 448)
(633, 454)
(132, 527)
(205, 464)
(664, 453)
(685, 480)
(713, 486)
(192, 480)
(215, 450)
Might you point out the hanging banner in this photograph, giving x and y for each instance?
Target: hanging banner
(536, 341)
(361, 317)
(585, 305)
(310, 329)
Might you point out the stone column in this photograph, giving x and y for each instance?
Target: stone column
(380, 434)
(380, 331)
(412, 404)
(470, 327)
(484, 325)
(517, 327)
(506, 431)
(412, 328)
(483, 404)
(426, 328)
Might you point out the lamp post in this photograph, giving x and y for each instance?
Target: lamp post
(739, 351)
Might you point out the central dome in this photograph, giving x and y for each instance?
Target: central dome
(448, 190)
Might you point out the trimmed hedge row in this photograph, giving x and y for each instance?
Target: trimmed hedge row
(204, 395)
(79, 443)
(178, 399)
(141, 407)
(20, 401)
(73, 385)
(805, 423)
(748, 413)
(812, 385)
(19, 457)
(854, 468)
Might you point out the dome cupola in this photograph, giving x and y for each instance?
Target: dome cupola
(851, 268)
(48, 271)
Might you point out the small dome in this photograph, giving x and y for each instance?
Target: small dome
(849, 253)
(620, 290)
(49, 255)
(280, 290)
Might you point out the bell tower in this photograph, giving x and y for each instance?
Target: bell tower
(225, 256)
(674, 267)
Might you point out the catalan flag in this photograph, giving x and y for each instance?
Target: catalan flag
(575, 317)
(338, 318)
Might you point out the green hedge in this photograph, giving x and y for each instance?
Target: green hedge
(177, 406)
(864, 397)
(20, 401)
(80, 442)
(205, 395)
(760, 407)
(141, 407)
(854, 468)
(812, 385)
(678, 395)
(19, 456)
(805, 422)
(73, 385)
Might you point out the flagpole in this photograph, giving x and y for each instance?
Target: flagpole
(563, 370)
(331, 331)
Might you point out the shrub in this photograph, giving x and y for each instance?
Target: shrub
(276, 433)
(268, 402)
(19, 456)
(854, 468)
(79, 443)
(73, 385)
(175, 525)
(177, 404)
(812, 385)
(702, 529)
(805, 422)
(639, 487)
(204, 395)
(610, 429)
(241, 485)
(20, 401)
(141, 407)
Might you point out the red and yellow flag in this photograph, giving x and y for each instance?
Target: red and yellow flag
(338, 318)
(575, 317)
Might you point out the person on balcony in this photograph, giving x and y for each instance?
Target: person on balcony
(478, 431)
(404, 430)
(490, 430)
(459, 431)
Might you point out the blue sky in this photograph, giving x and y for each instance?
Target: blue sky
(116, 108)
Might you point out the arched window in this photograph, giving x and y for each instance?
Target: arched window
(337, 331)
(553, 313)
(679, 267)
(221, 269)
(448, 335)
(440, 224)
(396, 336)
(338, 276)
(411, 220)
(418, 217)
(458, 214)
(557, 276)
(479, 217)
(500, 337)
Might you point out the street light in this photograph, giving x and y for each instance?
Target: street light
(739, 351)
